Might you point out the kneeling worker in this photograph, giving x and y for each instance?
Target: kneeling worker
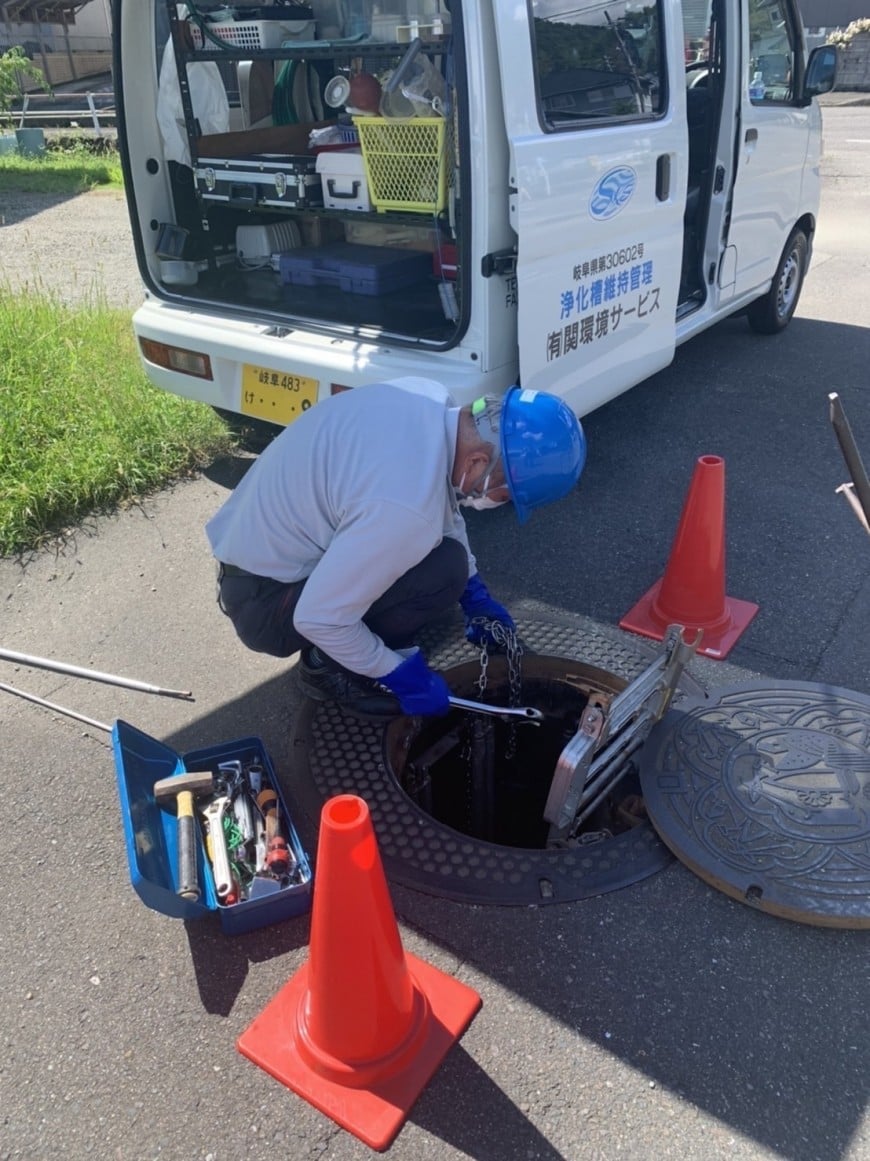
(345, 536)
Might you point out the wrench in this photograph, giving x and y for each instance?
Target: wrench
(223, 876)
(526, 712)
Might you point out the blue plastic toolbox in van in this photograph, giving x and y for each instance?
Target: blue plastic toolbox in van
(371, 270)
(150, 832)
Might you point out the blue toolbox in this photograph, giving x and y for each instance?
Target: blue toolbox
(258, 872)
(371, 270)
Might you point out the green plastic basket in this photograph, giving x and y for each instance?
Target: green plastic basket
(405, 162)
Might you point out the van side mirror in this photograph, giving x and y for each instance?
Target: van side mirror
(821, 72)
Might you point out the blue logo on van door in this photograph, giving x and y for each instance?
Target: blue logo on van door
(612, 192)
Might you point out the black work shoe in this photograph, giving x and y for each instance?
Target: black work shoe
(361, 696)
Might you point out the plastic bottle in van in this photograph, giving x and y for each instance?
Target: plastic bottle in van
(756, 87)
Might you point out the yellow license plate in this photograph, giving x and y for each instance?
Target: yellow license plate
(276, 396)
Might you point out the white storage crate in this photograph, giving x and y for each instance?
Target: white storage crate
(253, 34)
(345, 186)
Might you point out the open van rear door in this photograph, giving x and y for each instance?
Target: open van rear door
(594, 108)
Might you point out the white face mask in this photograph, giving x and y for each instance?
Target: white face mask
(479, 500)
(481, 503)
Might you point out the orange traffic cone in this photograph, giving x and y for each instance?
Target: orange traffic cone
(361, 1028)
(692, 591)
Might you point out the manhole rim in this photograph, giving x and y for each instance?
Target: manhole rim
(570, 874)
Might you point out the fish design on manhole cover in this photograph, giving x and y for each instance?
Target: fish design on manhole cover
(764, 791)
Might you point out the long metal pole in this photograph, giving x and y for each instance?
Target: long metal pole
(57, 708)
(851, 455)
(93, 674)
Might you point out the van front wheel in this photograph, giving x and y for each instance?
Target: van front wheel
(773, 311)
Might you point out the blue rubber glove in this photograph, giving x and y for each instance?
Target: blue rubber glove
(418, 689)
(477, 602)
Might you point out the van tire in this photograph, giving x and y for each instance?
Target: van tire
(772, 313)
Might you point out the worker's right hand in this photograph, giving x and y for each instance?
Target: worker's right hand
(418, 689)
(480, 608)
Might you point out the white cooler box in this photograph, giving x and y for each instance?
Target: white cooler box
(343, 175)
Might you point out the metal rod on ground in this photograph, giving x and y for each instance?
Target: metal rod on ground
(93, 674)
(848, 491)
(57, 708)
(849, 448)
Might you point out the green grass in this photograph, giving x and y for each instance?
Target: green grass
(72, 169)
(81, 428)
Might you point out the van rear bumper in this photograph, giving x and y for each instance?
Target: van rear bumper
(233, 344)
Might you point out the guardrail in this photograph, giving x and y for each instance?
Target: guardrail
(98, 108)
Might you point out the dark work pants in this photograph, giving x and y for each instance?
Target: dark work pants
(261, 610)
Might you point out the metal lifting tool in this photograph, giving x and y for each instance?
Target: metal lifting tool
(857, 491)
(91, 674)
(79, 671)
(526, 712)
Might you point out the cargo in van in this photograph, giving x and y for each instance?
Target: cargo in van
(590, 187)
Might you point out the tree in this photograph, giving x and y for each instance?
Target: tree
(15, 69)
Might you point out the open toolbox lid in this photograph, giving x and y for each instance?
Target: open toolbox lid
(151, 832)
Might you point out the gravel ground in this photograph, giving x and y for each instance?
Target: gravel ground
(78, 248)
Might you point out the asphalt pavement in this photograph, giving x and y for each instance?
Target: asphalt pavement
(663, 1020)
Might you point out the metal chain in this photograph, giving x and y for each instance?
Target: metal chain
(508, 641)
(484, 662)
(465, 756)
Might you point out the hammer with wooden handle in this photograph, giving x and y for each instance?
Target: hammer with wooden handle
(183, 788)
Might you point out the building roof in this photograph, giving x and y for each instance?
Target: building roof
(832, 13)
(33, 11)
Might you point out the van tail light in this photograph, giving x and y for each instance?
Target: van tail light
(177, 359)
(337, 388)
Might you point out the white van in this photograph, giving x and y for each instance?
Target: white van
(475, 191)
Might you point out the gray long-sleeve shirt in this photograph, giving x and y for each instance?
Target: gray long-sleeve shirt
(351, 495)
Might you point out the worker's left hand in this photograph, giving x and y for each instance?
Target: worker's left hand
(481, 607)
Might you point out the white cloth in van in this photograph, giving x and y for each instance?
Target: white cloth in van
(207, 96)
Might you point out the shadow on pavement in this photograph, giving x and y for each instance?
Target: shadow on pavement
(18, 206)
(758, 1022)
(755, 1021)
(485, 1123)
(220, 962)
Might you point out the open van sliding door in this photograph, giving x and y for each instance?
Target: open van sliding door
(770, 189)
(594, 106)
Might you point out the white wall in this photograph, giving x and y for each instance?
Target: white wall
(90, 32)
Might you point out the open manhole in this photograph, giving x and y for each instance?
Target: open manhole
(457, 802)
(488, 777)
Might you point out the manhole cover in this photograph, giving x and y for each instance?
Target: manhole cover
(473, 844)
(764, 792)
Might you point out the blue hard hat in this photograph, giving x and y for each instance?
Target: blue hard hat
(543, 448)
